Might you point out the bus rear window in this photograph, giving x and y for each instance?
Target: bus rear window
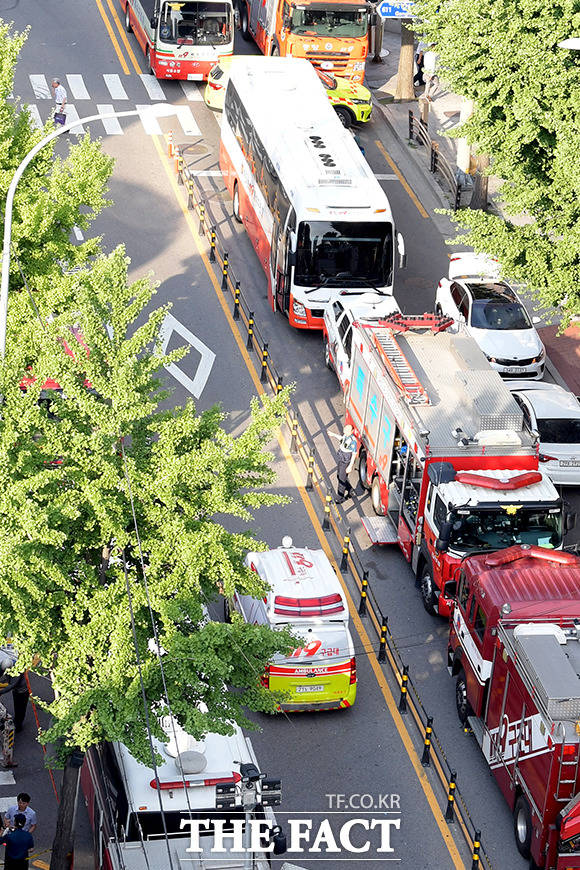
(306, 607)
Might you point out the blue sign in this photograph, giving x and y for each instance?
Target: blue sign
(395, 10)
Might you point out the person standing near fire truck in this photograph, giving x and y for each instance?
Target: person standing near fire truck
(345, 458)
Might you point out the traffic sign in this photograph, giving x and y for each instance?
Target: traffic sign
(395, 10)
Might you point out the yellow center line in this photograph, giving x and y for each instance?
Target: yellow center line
(123, 35)
(113, 38)
(362, 633)
(401, 178)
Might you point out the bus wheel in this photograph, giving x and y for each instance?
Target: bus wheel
(461, 702)
(246, 35)
(376, 497)
(236, 204)
(128, 27)
(523, 826)
(227, 611)
(427, 595)
(363, 472)
(344, 115)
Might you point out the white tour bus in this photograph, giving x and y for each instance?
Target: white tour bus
(318, 218)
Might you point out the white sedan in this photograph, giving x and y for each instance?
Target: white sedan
(474, 294)
(554, 413)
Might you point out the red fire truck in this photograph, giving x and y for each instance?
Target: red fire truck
(514, 646)
(443, 450)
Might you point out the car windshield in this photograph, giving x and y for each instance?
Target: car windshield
(343, 254)
(495, 528)
(498, 314)
(195, 23)
(329, 22)
(559, 431)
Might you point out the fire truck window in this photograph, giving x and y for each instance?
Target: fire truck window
(440, 512)
(463, 591)
(348, 341)
(338, 309)
(480, 623)
(472, 609)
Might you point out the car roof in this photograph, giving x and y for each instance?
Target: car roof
(495, 291)
(550, 400)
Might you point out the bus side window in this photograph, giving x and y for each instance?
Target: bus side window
(463, 591)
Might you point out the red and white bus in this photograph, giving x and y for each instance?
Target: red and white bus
(318, 218)
(181, 40)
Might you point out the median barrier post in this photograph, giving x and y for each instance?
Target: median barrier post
(426, 757)
(345, 546)
(225, 267)
(190, 193)
(475, 865)
(383, 641)
(411, 119)
(327, 503)
(202, 218)
(236, 314)
(450, 811)
(294, 436)
(264, 372)
(362, 608)
(250, 340)
(403, 697)
(212, 235)
(310, 470)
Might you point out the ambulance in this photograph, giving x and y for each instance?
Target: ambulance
(305, 595)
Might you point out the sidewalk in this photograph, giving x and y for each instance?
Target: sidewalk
(563, 352)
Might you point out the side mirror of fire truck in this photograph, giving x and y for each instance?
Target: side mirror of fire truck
(570, 522)
(402, 251)
(442, 542)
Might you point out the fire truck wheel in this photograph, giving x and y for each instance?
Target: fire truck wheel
(128, 27)
(376, 499)
(363, 472)
(461, 702)
(236, 204)
(344, 115)
(427, 596)
(227, 611)
(327, 357)
(523, 826)
(246, 36)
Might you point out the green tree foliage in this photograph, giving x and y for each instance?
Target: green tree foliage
(74, 469)
(503, 54)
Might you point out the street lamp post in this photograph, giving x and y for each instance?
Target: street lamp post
(158, 109)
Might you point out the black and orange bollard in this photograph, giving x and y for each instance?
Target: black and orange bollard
(225, 267)
(250, 339)
(264, 372)
(236, 314)
(202, 218)
(403, 696)
(426, 757)
(475, 864)
(279, 387)
(382, 657)
(179, 163)
(190, 193)
(310, 470)
(327, 503)
(362, 607)
(450, 810)
(345, 546)
(212, 235)
(294, 436)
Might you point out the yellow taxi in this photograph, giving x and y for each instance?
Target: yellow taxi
(352, 102)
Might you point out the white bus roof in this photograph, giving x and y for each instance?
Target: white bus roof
(303, 585)
(318, 161)
(223, 755)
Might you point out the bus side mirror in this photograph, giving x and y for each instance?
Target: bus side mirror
(570, 522)
(401, 250)
(153, 22)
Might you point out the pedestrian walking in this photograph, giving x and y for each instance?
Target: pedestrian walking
(60, 99)
(21, 808)
(430, 77)
(18, 844)
(345, 458)
(20, 694)
(419, 58)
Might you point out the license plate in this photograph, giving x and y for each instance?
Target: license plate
(569, 463)
(514, 370)
(309, 688)
(195, 77)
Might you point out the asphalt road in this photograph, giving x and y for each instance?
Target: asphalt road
(353, 752)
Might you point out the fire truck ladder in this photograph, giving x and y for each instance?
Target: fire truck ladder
(567, 774)
(400, 368)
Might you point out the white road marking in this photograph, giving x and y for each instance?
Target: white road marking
(77, 87)
(115, 88)
(150, 123)
(78, 234)
(152, 87)
(7, 777)
(192, 92)
(187, 121)
(35, 116)
(381, 176)
(40, 87)
(71, 116)
(196, 385)
(111, 125)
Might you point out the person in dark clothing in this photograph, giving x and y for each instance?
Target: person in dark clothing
(344, 463)
(18, 844)
(20, 694)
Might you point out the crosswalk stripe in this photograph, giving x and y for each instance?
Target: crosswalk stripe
(77, 87)
(115, 88)
(73, 115)
(192, 92)
(40, 87)
(187, 121)
(152, 86)
(385, 176)
(35, 116)
(111, 125)
(150, 123)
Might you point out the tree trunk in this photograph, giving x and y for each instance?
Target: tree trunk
(405, 73)
(479, 195)
(105, 559)
(63, 844)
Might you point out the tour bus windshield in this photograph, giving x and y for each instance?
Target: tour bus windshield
(329, 22)
(496, 528)
(344, 254)
(195, 23)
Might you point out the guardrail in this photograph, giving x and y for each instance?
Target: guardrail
(318, 483)
(418, 131)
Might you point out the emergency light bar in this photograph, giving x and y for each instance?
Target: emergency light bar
(194, 783)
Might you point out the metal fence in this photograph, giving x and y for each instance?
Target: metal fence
(419, 132)
(318, 483)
